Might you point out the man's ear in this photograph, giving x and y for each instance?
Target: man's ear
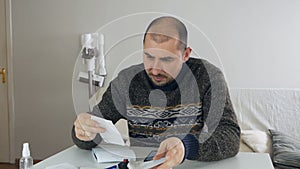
(187, 54)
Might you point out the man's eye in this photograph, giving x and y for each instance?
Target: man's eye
(166, 59)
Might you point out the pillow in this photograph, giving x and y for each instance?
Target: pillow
(244, 147)
(286, 150)
(258, 141)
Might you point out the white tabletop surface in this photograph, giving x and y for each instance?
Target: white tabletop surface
(83, 158)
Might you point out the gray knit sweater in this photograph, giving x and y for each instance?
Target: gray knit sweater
(195, 107)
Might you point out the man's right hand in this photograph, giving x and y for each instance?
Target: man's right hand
(86, 129)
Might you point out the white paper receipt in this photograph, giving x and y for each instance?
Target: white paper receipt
(112, 134)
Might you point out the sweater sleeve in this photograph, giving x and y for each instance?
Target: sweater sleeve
(222, 138)
(108, 108)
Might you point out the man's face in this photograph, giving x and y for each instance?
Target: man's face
(163, 61)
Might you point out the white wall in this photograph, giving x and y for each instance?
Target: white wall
(256, 40)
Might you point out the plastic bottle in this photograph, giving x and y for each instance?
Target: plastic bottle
(26, 162)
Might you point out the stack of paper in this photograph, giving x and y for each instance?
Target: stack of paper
(112, 153)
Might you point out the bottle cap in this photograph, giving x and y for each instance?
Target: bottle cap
(25, 151)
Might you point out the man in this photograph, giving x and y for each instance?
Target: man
(178, 103)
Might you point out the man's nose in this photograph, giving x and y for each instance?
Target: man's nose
(156, 64)
(155, 71)
(156, 67)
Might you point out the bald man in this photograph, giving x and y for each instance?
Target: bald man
(171, 101)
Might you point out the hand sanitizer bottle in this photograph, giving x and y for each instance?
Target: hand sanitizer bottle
(26, 162)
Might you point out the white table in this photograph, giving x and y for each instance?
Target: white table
(84, 158)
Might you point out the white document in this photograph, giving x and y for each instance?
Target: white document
(112, 134)
(111, 153)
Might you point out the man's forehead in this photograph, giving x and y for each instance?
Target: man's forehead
(162, 44)
(160, 38)
(157, 52)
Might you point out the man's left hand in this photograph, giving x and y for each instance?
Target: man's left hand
(173, 149)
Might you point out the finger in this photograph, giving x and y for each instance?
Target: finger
(86, 119)
(88, 125)
(170, 154)
(159, 156)
(90, 135)
(89, 129)
(84, 116)
(79, 132)
(91, 123)
(81, 119)
(173, 143)
(84, 135)
(77, 124)
(93, 129)
(169, 162)
(161, 152)
(172, 159)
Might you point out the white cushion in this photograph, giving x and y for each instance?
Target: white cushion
(258, 141)
(244, 147)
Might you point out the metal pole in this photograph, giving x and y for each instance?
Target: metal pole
(90, 73)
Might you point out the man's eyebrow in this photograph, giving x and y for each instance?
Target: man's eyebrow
(164, 57)
(148, 54)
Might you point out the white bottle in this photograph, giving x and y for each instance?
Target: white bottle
(26, 162)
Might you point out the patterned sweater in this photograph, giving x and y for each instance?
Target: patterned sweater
(195, 107)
